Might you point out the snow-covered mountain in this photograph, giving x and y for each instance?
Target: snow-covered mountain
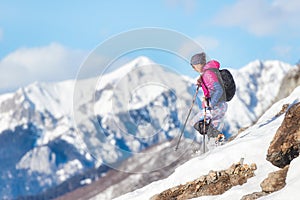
(42, 144)
(52, 131)
(252, 145)
(258, 84)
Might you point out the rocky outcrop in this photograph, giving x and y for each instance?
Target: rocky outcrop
(275, 181)
(285, 146)
(214, 183)
(289, 83)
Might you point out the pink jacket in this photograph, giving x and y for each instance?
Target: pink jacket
(210, 83)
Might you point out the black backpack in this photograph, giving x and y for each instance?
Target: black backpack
(226, 79)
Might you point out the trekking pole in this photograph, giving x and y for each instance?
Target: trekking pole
(204, 130)
(182, 130)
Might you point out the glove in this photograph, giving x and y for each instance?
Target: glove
(199, 81)
(205, 103)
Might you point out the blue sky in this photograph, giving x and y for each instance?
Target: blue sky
(49, 40)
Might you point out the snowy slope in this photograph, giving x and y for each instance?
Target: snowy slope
(251, 144)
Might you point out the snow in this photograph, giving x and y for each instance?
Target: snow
(117, 74)
(71, 167)
(50, 135)
(54, 97)
(86, 181)
(4, 97)
(37, 160)
(134, 77)
(252, 144)
(106, 99)
(144, 94)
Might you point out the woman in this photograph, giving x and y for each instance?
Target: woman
(213, 103)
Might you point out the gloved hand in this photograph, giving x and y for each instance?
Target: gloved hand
(206, 108)
(205, 103)
(199, 81)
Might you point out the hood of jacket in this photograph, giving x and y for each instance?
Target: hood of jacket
(213, 64)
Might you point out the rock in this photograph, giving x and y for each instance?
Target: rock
(215, 183)
(283, 110)
(275, 181)
(254, 196)
(285, 145)
(253, 166)
(212, 177)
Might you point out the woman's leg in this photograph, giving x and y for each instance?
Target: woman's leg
(218, 114)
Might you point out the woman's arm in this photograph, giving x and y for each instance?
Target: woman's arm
(211, 81)
(216, 94)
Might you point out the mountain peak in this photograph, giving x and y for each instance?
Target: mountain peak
(129, 66)
(141, 60)
(258, 66)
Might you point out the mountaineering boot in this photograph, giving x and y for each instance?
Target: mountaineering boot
(199, 126)
(210, 130)
(213, 132)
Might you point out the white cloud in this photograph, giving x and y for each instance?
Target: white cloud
(49, 63)
(261, 17)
